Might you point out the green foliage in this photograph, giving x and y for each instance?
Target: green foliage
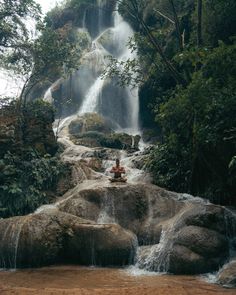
(58, 51)
(15, 34)
(69, 11)
(25, 181)
(13, 29)
(52, 54)
(39, 109)
(219, 21)
(198, 125)
(29, 169)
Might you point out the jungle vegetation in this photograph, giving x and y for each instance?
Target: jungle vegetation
(186, 73)
(187, 77)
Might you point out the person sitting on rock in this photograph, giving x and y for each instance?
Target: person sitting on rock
(118, 171)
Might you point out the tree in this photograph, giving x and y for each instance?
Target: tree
(55, 53)
(177, 25)
(14, 31)
(198, 125)
(51, 54)
(134, 9)
(199, 23)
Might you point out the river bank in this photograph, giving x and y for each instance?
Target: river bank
(102, 281)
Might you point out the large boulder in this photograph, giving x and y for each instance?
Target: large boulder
(93, 130)
(227, 275)
(184, 235)
(197, 250)
(188, 249)
(138, 207)
(89, 122)
(50, 237)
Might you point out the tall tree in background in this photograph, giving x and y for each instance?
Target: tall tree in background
(177, 26)
(48, 54)
(134, 10)
(199, 23)
(14, 30)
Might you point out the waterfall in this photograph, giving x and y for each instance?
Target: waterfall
(84, 20)
(230, 224)
(91, 89)
(48, 96)
(158, 256)
(107, 213)
(90, 102)
(100, 15)
(11, 235)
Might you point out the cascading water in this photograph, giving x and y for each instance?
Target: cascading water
(98, 93)
(158, 257)
(107, 213)
(11, 236)
(122, 33)
(90, 103)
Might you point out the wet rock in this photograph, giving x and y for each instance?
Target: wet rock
(93, 130)
(151, 136)
(184, 261)
(50, 237)
(108, 42)
(187, 242)
(95, 164)
(138, 207)
(227, 275)
(203, 241)
(213, 217)
(86, 163)
(197, 250)
(121, 141)
(88, 123)
(140, 161)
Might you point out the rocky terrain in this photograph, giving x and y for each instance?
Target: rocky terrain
(99, 223)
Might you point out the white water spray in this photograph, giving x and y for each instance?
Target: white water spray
(118, 37)
(90, 104)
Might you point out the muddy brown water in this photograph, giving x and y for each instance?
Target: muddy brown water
(100, 281)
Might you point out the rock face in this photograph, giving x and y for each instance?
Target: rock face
(97, 223)
(93, 130)
(128, 205)
(227, 275)
(90, 122)
(185, 236)
(197, 250)
(50, 237)
(101, 223)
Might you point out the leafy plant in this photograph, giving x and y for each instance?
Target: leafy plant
(26, 181)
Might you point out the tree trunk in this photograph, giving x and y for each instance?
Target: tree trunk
(199, 23)
(177, 25)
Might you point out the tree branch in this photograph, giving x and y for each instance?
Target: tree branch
(165, 16)
(177, 25)
(199, 23)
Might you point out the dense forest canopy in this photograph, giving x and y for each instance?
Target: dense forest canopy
(186, 73)
(187, 58)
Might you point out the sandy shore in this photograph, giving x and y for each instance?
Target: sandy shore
(87, 281)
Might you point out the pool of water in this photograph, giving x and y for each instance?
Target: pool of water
(102, 281)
